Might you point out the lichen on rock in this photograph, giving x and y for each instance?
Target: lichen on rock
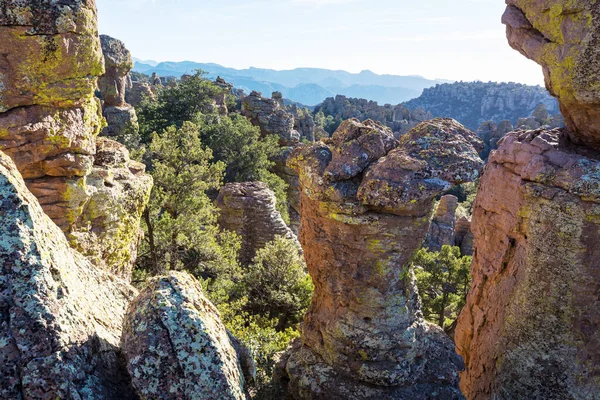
(366, 200)
(176, 345)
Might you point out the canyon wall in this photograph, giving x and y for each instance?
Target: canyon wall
(531, 325)
(366, 202)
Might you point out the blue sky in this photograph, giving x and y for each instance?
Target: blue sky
(451, 39)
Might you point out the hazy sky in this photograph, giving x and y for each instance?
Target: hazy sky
(451, 39)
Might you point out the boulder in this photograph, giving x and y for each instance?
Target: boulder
(138, 92)
(60, 316)
(176, 346)
(366, 201)
(564, 38)
(464, 236)
(248, 209)
(530, 328)
(441, 231)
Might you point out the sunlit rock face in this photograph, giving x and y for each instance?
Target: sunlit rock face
(531, 325)
(564, 38)
(366, 202)
(60, 316)
(49, 121)
(176, 346)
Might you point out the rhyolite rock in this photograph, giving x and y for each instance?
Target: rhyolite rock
(531, 325)
(60, 316)
(50, 118)
(441, 232)
(121, 119)
(464, 236)
(138, 92)
(176, 346)
(366, 201)
(248, 209)
(272, 119)
(564, 38)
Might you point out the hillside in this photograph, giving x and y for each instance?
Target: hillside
(472, 103)
(308, 86)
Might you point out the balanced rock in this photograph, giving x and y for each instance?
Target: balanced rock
(121, 117)
(49, 116)
(248, 209)
(366, 200)
(270, 117)
(564, 38)
(176, 346)
(441, 231)
(531, 326)
(60, 316)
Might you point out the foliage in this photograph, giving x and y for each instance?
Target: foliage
(178, 104)
(277, 283)
(443, 280)
(180, 221)
(328, 123)
(466, 194)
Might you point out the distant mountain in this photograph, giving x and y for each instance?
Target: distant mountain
(472, 103)
(308, 86)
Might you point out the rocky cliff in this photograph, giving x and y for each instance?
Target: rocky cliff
(531, 325)
(442, 229)
(271, 117)
(60, 316)
(472, 103)
(49, 120)
(366, 200)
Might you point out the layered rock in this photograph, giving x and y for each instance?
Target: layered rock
(49, 116)
(564, 38)
(441, 231)
(272, 119)
(120, 116)
(176, 346)
(366, 201)
(531, 323)
(60, 317)
(248, 209)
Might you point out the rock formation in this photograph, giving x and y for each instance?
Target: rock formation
(271, 118)
(564, 38)
(531, 325)
(49, 117)
(60, 317)
(120, 116)
(303, 122)
(176, 346)
(441, 231)
(221, 100)
(138, 92)
(248, 209)
(472, 103)
(366, 201)
(464, 236)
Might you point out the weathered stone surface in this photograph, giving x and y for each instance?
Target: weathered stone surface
(51, 53)
(290, 177)
(49, 120)
(60, 317)
(248, 209)
(464, 236)
(531, 326)
(122, 124)
(363, 218)
(271, 118)
(304, 122)
(118, 63)
(138, 92)
(176, 346)
(564, 38)
(441, 232)
(108, 230)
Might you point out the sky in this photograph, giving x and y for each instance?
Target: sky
(437, 39)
